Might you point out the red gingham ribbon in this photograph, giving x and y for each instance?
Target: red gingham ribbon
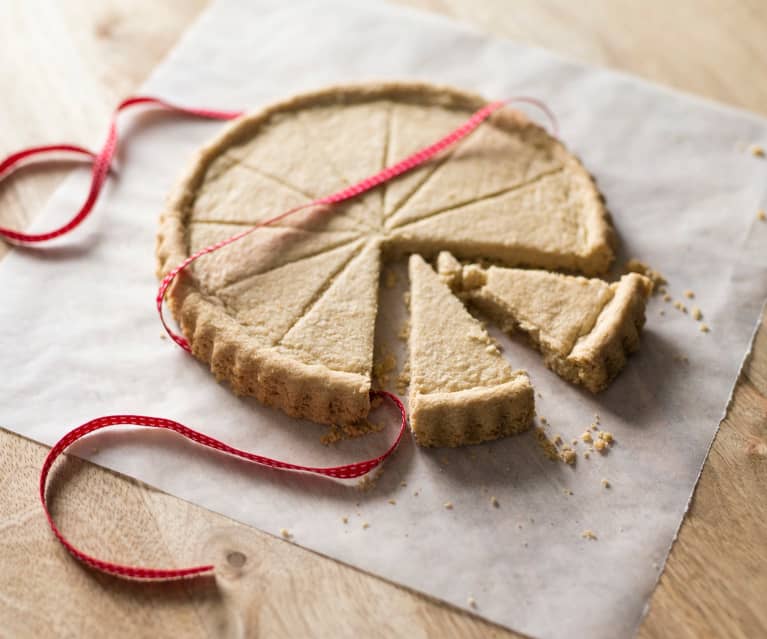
(101, 164)
(347, 471)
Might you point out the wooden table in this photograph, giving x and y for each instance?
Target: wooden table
(63, 69)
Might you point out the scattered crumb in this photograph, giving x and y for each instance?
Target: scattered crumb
(369, 481)
(666, 297)
(403, 483)
(589, 534)
(704, 328)
(586, 437)
(384, 364)
(390, 278)
(393, 502)
(696, 313)
(661, 312)
(336, 433)
(472, 602)
(567, 491)
(345, 520)
(756, 150)
(544, 420)
(568, 456)
(679, 306)
(760, 215)
(587, 454)
(689, 294)
(600, 445)
(662, 290)
(594, 427)
(164, 336)
(285, 533)
(416, 493)
(574, 442)
(605, 483)
(448, 505)
(546, 444)
(558, 440)
(365, 525)
(636, 266)
(606, 436)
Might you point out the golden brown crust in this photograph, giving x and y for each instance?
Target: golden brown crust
(472, 416)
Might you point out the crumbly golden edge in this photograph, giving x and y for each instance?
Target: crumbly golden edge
(472, 416)
(599, 356)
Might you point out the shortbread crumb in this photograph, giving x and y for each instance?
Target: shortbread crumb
(448, 505)
(586, 437)
(336, 433)
(637, 266)
(494, 502)
(345, 520)
(546, 444)
(365, 525)
(600, 445)
(605, 483)
(589, 534)
(689, 294)
(756, 150)
(760, 215)
(704, 328)
(285, 533)
(697, 314)
(569, 456)
(472, 602)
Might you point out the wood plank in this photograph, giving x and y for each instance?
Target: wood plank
(66, 65)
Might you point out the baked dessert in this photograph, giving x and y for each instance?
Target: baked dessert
(462, 390)
(585, 328)
(287, 314)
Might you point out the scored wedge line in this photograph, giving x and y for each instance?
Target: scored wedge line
(322, 291)
(333, 166)
(477, 200)
(430, 171)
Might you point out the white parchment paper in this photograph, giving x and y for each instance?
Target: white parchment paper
(79, 336)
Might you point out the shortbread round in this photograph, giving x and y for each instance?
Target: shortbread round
(287, 314)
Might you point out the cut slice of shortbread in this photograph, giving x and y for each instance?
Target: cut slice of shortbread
(584, 328)
(462, 390)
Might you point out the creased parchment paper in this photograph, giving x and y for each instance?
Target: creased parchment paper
(79, 336)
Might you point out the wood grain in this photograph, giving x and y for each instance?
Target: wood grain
(65, 66)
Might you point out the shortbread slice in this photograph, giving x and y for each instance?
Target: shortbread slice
(585, 328)
(462, 390)
(554, 223)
